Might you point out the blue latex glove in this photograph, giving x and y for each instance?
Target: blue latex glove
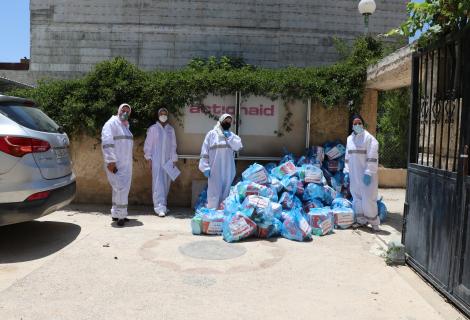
(346, 178)
(207, 173)
(366, 179)
(227, 133)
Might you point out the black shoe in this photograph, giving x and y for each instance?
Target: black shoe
(121, 222)
(125, 219)
(115, 219)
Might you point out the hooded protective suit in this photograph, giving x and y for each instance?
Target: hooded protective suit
(117, 143)
(160, 147)
(217, 155)
(362, 157)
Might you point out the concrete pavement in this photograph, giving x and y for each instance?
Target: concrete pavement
(75, 264)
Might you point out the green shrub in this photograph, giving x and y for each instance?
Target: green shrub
(83, 105)
(393, 127)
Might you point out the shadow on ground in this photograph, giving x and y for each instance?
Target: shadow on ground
(130, 223)
(182, 213)
(394, 220)
(35, 240)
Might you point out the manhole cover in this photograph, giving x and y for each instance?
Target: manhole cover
(212, 250)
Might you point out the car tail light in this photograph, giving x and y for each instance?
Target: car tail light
(38, 196)
(28, 103)
(18, 146)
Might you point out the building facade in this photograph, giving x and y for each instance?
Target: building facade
(68, 37)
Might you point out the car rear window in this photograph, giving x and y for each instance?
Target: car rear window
(29, 117)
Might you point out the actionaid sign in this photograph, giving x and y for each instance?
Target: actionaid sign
(258, 115)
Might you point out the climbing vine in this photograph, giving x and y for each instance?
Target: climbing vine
(83, 105)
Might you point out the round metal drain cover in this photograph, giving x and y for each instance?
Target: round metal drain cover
(212, 250)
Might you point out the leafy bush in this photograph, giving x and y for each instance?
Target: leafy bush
(441, 17)
(393, 127)
(83, 105)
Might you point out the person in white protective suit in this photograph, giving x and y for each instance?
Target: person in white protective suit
(117, 143)
(160, 148)
(217, 160)
(361, 172)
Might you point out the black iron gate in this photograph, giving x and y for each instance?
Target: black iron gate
(437, 226)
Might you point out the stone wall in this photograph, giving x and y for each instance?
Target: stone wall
(328, 124)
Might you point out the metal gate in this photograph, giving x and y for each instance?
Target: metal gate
(436, 230)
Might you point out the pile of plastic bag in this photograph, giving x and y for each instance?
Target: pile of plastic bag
(295, 199)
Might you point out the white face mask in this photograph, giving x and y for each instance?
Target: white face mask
(163, 118)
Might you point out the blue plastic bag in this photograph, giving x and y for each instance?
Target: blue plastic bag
(231, 204)
(297, 203)
(314, 191)
(269, 229)
(201, 200)
(276, 210)
(269, 192)
(340, 202)
(315, 203)
(337, 181)
(270, 166)
(256, 173)
(302, 160)
(285, 169)
(328, 195)
(295, 227)
(246, 188)
(299, 192)
(275, 184)
(334, 151)
(290, 184)
(239, 226)
(317, 153)
(207, 221)
(382, 210)
(344, 217)
(321, 220)
(287, 201)
(261, 206)
(311, 174)
(288, 156)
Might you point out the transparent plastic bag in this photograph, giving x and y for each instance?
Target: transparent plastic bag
(285, 169)
(256, 173)
(344, 217)
(314, 191)
(238, 227)
(295, 227)
(287, 201)
(339, 202)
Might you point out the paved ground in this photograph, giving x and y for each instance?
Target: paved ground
(74, 264)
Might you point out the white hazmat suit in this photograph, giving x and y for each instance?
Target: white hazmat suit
(362, 155)
(117, 143)
(160, 147)
(217, 155)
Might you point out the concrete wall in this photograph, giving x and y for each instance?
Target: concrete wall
(392, 178)
(69, 36)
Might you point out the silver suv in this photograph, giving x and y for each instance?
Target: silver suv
(36, 175)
